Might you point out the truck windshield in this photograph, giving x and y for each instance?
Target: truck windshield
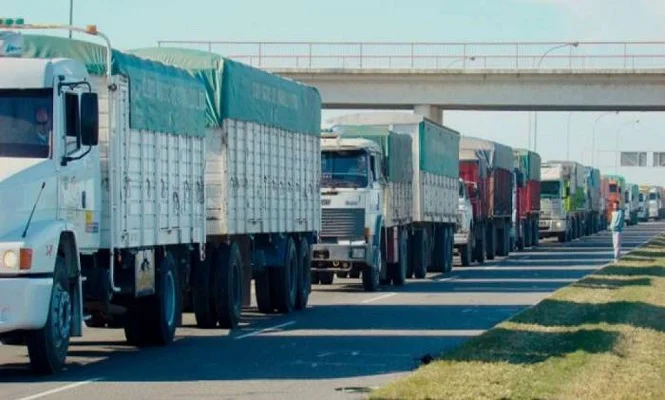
(653, 196)
(550, 189)
(613, 188)
(348, 168)
(26, 121)
(641, 197)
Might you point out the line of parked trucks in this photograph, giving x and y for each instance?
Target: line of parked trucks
(139, 184)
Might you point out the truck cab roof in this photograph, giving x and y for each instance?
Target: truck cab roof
(350, 144)
(34, 73)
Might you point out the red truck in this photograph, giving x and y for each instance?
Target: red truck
(488, 166)
(527, 190)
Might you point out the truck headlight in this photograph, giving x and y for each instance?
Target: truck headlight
(358, 253)
(559, 224)
(10, 259)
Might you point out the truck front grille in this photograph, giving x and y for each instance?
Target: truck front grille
(343, 223)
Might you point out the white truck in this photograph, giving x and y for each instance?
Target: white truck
(366, 197)
(466, 232)
(562, 200)
(125, 185)
(420, 204)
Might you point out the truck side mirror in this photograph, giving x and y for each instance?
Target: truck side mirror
(89, 119)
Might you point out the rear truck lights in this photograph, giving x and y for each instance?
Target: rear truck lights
(21, 259)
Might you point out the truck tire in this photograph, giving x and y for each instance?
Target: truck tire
(398, 270)
(535, 232)
(371, 274)
(305, 274)
(262, 285)
(326, 278)
(449, 249)
(490, 245)
(202, 297)
(479, 246)
(521, 240)
(152, 320)
(421, 248)
(48, 346)
(502, 237)
(228, 286)
(285, 280)
(466, 253)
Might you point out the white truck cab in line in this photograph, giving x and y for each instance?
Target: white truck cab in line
(352, 187)
(464, 238)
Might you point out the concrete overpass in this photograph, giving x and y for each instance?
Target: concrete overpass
(430, 77)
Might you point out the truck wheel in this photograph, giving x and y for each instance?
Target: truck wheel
(227, 284)
(398, 270)
(262, 284)
(535, 232)
(202, 298)
(304, 283)
(521, 240)
(371, 274)
(285, 279)
(326, 278)
(48, 346)
(465, 254)
(152, 320)
(421, 248)
(450, 249)
(490, 245)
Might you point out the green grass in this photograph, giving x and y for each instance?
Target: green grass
(602, 337)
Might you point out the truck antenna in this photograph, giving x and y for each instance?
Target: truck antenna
(39, 195)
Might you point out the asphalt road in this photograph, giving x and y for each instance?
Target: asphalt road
(344, 343)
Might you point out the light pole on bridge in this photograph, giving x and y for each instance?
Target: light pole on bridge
(593, 136)
(617, 155)
(535, 123)
(71, 16)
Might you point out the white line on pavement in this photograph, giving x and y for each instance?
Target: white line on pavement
(452, 278)
(373, 299)
(266, 330)
(60, 389)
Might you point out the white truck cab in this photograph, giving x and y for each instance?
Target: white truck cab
(351, 210)
(464, 240)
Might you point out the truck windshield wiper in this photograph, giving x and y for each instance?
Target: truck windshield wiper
(39, 195)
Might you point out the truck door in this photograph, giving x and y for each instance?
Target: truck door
(79, 178)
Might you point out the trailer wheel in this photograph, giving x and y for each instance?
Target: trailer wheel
(304, 271)
(535, 235)
(262, 284)
(466, 251)
(479, 248)
(228, 285)
(490, 246)
(202, 296)
(450, 249)
(48, 346)
(152, 320)
(521, 240)
(285, 279)
(421, 248)
(398, 269)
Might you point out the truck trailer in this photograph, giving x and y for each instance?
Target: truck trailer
(127, 183)
(471, 234)
(592, 191)
(528, 193)
(632, 200)
(616, 185)
(434, 188)
(495, 188)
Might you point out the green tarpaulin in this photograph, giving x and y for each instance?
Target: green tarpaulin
(162, 98)
(238, 91)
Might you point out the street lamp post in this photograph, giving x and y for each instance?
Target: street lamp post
(535, 123)
(71, 16)
(617, 155)
(570, 114)
(593, 136)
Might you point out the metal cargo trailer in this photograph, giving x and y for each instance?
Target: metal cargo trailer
(500, 162)
(435, 152)
(592, 188)
(263, 166)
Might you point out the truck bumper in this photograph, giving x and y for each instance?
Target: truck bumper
(340, 257)
(24, 302)
(461, 238)
(552, 227)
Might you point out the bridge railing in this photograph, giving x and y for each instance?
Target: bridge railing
(394, 55)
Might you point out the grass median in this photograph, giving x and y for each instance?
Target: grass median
(602, 337)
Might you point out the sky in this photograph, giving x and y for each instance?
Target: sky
(141, 23)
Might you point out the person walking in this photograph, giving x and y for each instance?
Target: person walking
(616, 226)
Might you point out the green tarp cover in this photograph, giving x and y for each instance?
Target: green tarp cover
(162, 98)
(238, 91)
(396, 147)
(439, 149)
(529, 163)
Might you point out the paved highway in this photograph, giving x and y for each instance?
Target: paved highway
(346, 342)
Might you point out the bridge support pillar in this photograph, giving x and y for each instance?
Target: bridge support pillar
(429, 111)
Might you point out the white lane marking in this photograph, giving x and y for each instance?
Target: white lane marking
(452, 278)
(266, 330)
(326, 354)
(373, 299)
(60, 389)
